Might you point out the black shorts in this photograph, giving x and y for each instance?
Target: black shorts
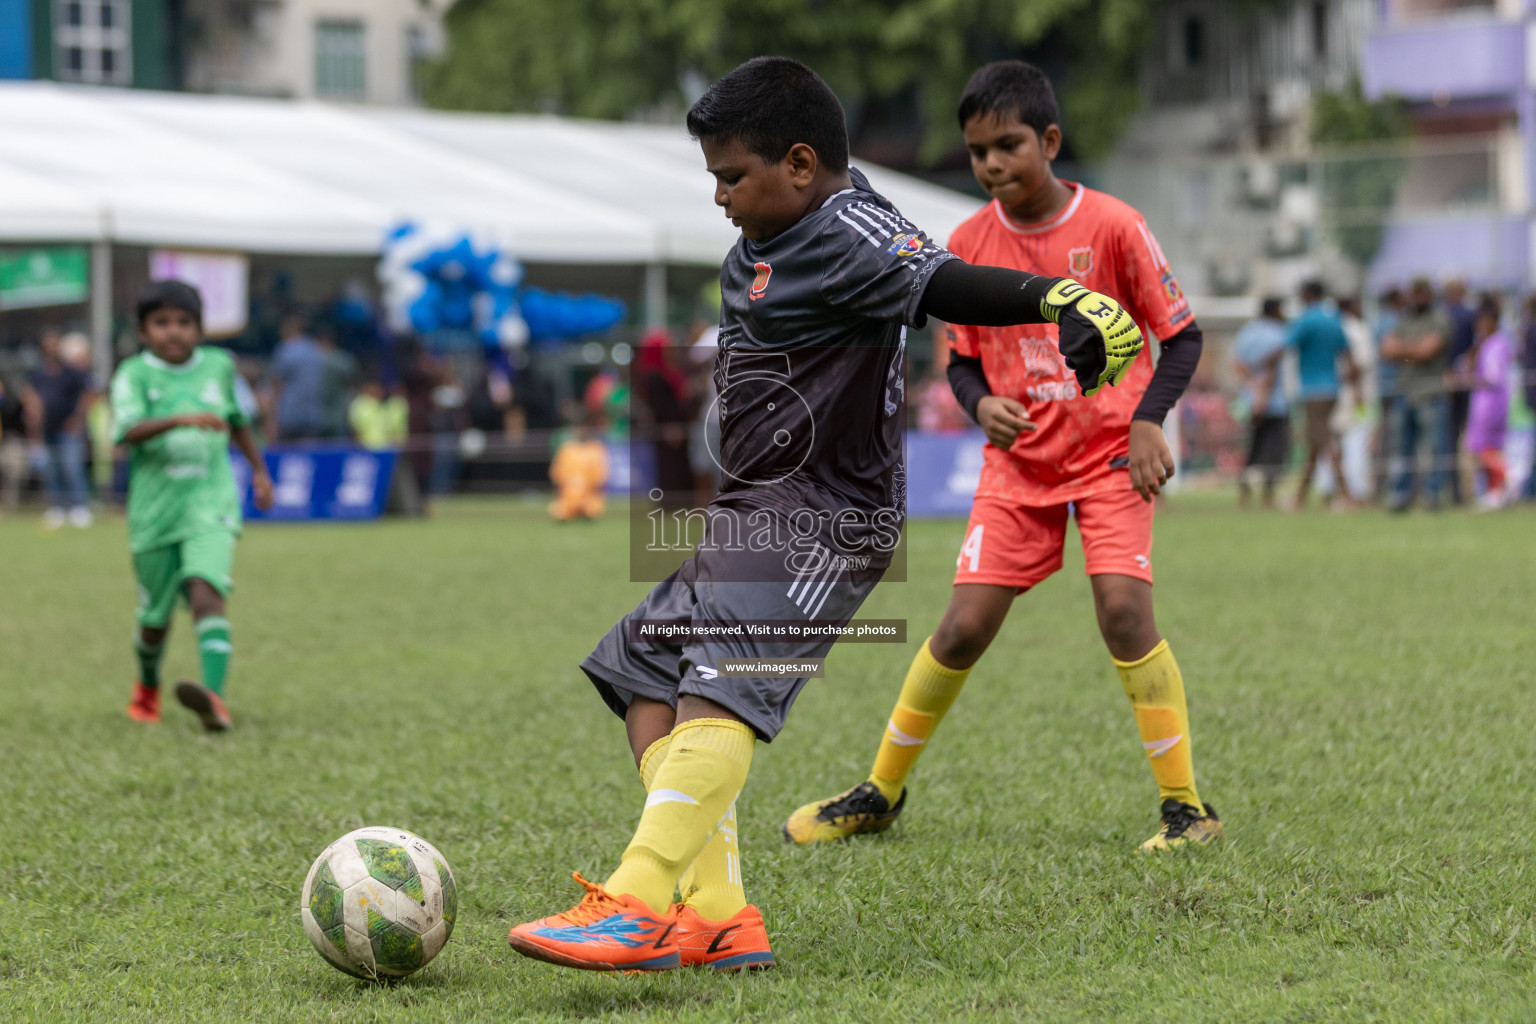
(723, 586)
(1269, 447)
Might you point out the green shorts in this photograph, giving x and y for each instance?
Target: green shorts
(163, 572)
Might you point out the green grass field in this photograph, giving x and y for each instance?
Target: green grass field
(1364, 706)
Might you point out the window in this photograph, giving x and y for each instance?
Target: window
(340, 60)
(1320, 28)
(1194, 41)
(91, 41)
(417, 54)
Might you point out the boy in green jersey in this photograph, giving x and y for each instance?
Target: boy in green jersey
(172, 406)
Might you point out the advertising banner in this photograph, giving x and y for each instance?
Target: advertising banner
(320, 483)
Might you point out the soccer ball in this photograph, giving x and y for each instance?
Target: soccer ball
(379, 903)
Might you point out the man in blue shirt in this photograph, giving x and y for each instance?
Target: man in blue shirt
(1321, 348)
(1256, 356)
(310, 377)
(1463, 337)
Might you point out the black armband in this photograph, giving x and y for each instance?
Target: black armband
(1181, 355)
(963, 293)
(968, 382)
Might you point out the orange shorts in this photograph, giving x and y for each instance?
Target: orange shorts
(1014, 545)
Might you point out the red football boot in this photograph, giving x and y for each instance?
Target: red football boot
(145, 706)
(604, 932)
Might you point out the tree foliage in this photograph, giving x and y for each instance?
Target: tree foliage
(1359, 187)
(617, 58)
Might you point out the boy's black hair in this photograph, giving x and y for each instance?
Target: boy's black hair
(1272, 307)
(1312, 290)
(1011, 87)
(169, 295)
(768, 105)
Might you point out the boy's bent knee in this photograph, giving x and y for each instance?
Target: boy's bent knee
(1125, 618)
(967, 630)
(203, 599)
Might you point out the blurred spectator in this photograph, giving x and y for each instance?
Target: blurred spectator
(1354, 419)
(435, 403)
(580, 475)
(663, 391)
(1320, 347)
(57, 400)
(1256, 356)
(1458, 358)
(1388, 311)
(380, 421)
(606, 400)
(310, 377)
(938, 410)
(1492, 355)
(13, 447)
(705, 440)
(1418, 347)
(1528, 372)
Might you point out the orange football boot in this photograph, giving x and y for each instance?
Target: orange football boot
(604, 932)
(731, 945)
(145, 706)
(205, 704)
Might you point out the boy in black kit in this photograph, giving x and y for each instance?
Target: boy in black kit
(816, 298)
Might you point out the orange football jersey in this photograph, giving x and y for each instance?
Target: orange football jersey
(1106, 245)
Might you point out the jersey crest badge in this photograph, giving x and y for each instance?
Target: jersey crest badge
(211, 394)
(1080, 261)
(905, 245)
(1171, 288)
(760, 282)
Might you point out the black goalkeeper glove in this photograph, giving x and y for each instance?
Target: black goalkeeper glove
(1098, 338)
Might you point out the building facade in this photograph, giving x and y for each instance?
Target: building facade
(96, 42)
(365, 51)
(1467, 71)
(1244, 203)
(1219, 158)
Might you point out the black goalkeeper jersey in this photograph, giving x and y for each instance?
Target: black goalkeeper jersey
(811, 372)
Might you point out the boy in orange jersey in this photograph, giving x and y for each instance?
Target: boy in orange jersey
(1053, 452)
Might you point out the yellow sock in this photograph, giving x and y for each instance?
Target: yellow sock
(712, 883)
(1156, 690)
(926, 695)
(705, 767)
(650, 761)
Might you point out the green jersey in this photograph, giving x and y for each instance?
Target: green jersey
(180, 484)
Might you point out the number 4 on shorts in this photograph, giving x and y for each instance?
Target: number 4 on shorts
(972, 549)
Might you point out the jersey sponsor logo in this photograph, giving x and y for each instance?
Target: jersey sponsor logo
(760, 282)
(1080, 261)
(1052, 391)
(905, 244)
(1041, 357)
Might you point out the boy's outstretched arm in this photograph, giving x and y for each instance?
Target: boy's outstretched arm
(1098, 339)
(1152, 462)
(261, 480)
(143, 430)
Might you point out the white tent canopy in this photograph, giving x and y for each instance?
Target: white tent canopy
(175, 169)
